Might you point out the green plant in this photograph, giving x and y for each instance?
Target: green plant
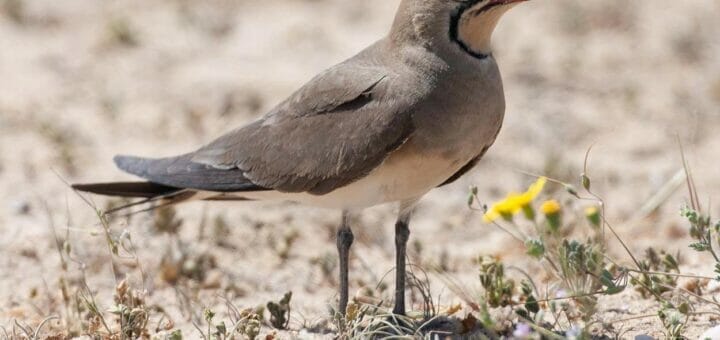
(498, 289)
(371, 321)
(674, 320)
(531, 308)
(280, 311)
(701, 227)
(245, 322)
(705, 233)
(249, 323)
(28, 332)
(131, 311)
(579, 267)
(582, 270)
(652, 281)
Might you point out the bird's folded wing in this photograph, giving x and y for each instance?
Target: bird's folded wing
(331, 132)
(182, 173)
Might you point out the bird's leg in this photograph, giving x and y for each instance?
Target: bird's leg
(344, 241)
(402, 234)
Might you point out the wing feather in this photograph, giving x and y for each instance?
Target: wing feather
(334, 130)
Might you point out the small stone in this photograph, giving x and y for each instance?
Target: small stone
(711, 334)
(644, 337)
(21, 207)
(29, 253)
(169, 271)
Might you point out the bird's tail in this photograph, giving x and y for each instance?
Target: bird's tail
(153, 195)
(127, 189)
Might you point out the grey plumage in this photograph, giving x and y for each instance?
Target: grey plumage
(331, 132)
(182, 172)
(413, 111)
(356, 112)
(348, 120)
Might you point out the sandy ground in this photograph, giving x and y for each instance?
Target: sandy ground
(83, 80)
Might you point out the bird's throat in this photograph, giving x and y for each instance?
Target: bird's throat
(474, 28)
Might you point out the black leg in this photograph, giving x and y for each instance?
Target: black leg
(402, 234)
(344, 241)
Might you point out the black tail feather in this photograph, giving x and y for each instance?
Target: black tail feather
(152, 195)
(127, 189)
(155, 202)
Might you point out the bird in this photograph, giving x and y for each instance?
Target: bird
(414, 111)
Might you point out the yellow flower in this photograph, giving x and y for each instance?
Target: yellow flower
(532, 193)
(593, 215)
(514, 202)
(552, 211)
(591, 210)
(551, 207)
(505, 209)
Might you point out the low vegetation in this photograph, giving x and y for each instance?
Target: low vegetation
(565, 234)
(569, 241)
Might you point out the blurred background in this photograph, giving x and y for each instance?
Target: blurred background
(83, 80)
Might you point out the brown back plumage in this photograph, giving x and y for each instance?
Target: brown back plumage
(346, 121)
(331, 132)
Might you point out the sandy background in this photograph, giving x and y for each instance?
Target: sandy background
(83, 80)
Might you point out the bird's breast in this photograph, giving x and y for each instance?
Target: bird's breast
(452, 126)
(408, 173)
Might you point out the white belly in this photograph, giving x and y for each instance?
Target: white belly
(405, 175)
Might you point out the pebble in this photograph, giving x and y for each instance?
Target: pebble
(20, 207)
(644, 337)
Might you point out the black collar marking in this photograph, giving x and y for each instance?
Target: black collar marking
(455, 28)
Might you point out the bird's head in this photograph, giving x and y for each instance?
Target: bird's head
(464, 24)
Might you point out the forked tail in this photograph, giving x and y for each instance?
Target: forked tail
(154, 195)
(127, 189)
